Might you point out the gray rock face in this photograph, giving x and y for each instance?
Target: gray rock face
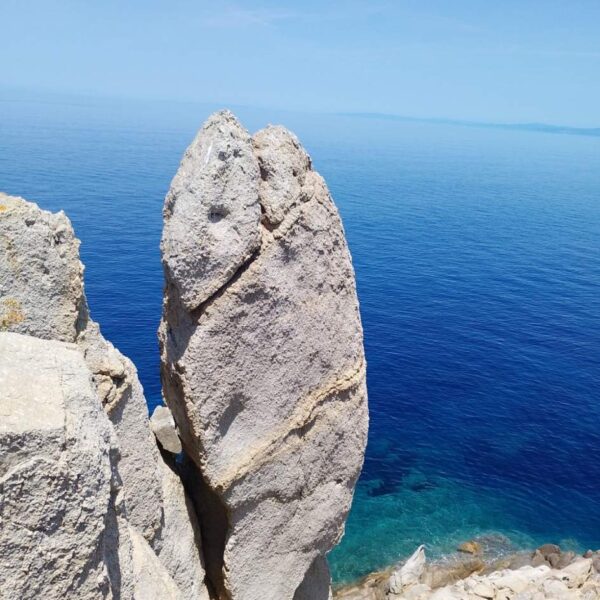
(262, 355)
(284, 166)
(55, 473)
(211, 213)
(42, 295)
(41, 279)
(317, 582)
(410, 573)
(179, 548)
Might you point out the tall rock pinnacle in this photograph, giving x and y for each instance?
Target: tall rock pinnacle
(262, 359)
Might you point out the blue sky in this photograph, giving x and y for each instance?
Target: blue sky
(510, 60)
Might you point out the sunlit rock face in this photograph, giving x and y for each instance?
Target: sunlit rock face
(150, 524)
(262, 358)
(55, 473)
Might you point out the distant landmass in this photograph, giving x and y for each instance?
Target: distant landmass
(541, 127)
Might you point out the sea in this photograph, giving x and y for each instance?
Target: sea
(477, 257)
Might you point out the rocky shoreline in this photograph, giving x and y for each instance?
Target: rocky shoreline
(473, 573)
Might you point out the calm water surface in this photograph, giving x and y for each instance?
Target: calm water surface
(477, 254)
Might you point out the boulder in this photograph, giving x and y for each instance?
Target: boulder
(56, 480)
(470, 547)
(409, 574)
(538, 559)
(163, 427)
(262, 356)
(42, 295)
(577, 573)
(547, 549)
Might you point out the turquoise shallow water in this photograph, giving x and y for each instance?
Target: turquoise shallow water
(477, 255)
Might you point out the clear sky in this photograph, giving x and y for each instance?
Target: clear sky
(502, 60)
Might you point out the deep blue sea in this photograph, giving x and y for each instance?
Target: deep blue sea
(477, 254)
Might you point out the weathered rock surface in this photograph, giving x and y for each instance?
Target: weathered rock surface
(180, 545)
(410, 573)
(212, 211)
(262, 355)
(41, 277)
(42, 295)
(55, 473)
(317, 582)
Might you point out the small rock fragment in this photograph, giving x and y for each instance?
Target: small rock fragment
(163, 427)
(546, 549)
(470, 547)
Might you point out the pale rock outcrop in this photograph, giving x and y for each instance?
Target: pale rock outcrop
(410, 573)
(262, 357)
(41, 277)
(317, 582)
(42, 295)
(285, 168)
(41, 274)
(180, 544)
(55, 474)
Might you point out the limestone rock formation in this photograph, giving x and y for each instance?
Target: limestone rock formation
(213, 212)
(262, 357)
(55, 473)
(42, 295)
